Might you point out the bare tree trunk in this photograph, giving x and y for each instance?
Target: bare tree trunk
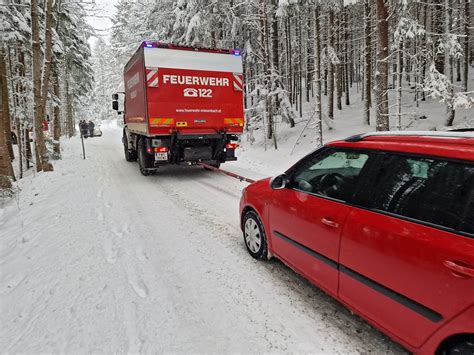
(330, 78)
(289, 59)
(69, 116)
(48, 52)
(16, 121)
(317, 77)
(381, 76)
(437, 12)
(40, 146)
(338, 67)
(417, 75)
(424, 59)
(467, 21)
(56, 120)
(6, 108)
(399, 88)
(309, 55)
(449, 66)
(300, 64)
(275, 51)
(264, 38)
(367, 63)
(6, 169)
(23, 133)
(346, 56)
(458, 69)
(407, 65)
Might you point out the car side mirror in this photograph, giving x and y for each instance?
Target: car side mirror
(115, 105)
(280, 182)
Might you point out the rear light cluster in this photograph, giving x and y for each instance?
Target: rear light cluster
(231, 145)
(157, 150)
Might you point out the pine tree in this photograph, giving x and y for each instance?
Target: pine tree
(6, 169)
(381, 75)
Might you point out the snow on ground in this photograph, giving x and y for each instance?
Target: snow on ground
(95, 257)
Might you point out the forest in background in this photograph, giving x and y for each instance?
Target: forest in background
(46, 76)
(294, 51)
(312, 51)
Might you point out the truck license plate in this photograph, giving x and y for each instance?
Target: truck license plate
(161, 156)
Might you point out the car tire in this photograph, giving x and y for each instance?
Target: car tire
(254, 236)
(130, 155)
(144, 159)
(459, 347)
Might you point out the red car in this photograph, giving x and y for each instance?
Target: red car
(385, 224)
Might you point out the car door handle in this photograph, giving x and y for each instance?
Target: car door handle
(329, 222)
(459, 270)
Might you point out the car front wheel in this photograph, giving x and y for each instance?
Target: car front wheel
(254, 236)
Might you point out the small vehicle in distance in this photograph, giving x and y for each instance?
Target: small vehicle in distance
(384, 223)
(89, 129)
(97, 132)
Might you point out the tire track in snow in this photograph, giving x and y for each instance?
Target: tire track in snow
(115, 247)
(131, 261)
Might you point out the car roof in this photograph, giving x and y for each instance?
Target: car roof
(454, 145)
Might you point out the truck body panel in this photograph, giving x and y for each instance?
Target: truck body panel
(135, 94)
(184, 91)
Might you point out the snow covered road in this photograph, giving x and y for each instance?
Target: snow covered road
(97, 258)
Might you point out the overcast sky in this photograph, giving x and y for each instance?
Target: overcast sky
(100, 18)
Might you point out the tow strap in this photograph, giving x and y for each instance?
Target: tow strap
(228, 173)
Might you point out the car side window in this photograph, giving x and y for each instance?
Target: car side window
(467, 223)
(332, 174)
(429, 190)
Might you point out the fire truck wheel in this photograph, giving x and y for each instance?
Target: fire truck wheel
(145, 160)
(130, 155)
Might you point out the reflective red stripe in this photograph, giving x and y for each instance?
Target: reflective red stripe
(152, 77)
(238, 81)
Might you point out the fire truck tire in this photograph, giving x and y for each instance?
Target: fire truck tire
(145, 160)
(130, 155)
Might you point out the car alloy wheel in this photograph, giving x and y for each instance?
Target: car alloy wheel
(254, 236)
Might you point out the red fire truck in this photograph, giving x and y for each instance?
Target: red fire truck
(182, 105)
